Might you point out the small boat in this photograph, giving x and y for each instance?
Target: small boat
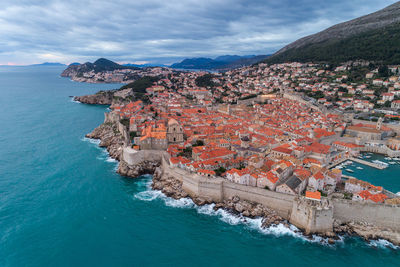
(392, 162)
(379, 162)
(360, 168)
(348, 170)
(367, 157)
(339, 167)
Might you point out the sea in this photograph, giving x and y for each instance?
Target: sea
(63, 204)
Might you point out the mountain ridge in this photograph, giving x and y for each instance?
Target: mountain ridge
(363, 29)
(218, 63)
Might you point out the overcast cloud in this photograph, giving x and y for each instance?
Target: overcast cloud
(161, 31)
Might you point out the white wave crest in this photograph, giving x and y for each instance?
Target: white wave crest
(74, 101)
(237, 219)
(381, 243)
(223, 215)
(148, 195)
(90, 140)
(179, 203)
(110, 159)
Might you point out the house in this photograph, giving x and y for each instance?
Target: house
(387, 96)
(313, 195)
(290, 186)
(395, 104)
(366, 195)
(207, 173)
(238, 176)
(267, 180)
(317, 181)
(354, 186)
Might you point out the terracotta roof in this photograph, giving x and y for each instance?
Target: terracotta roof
(313, 195)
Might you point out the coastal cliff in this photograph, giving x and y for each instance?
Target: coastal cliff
(103, 98)
(110, 138)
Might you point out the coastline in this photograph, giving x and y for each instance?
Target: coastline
(112, 139)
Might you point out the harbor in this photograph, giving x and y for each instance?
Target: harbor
(377, 164)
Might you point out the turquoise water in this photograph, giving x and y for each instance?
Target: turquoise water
(389, 178)
(62, 204)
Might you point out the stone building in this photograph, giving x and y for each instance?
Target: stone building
(174, 132)
(153, 138)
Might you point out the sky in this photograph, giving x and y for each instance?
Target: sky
(162, 31)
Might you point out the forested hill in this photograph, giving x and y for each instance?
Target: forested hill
(374, 37)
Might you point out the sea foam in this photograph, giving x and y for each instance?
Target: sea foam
(381, 243)
(233, 219)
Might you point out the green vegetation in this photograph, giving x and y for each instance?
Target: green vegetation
(141, 84)
(219, 171)
(187, 152)
(322, 193)
(198, 143)
(205, 81)
(380, 45)
(348, 195)
(125, 122)
(383, 71)
(316, 95)
(132, 135)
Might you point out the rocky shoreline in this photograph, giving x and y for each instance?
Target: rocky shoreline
(112, 140)
(101, 98)
(109, 138)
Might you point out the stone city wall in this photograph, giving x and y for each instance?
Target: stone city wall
(380, 215)
(311, 216)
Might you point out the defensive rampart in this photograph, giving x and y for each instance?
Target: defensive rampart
(380, 215)
(311, 216)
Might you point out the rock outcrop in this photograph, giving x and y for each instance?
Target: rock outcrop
(367, 232)
(144, 167)
(100, 98)
(110, 138)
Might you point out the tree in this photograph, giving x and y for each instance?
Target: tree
(205, 81)
(198, 143)
(219, 171)
(383, 71)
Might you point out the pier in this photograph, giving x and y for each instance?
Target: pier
(364, 162)
(367, 163)
(338, 162)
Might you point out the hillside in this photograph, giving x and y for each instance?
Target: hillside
(219, 63)
(372, 37)
(99, 65)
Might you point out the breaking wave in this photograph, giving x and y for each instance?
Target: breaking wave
(90, 140)
(104, 156)
(74, 101)
(233, 219)
(381, 243)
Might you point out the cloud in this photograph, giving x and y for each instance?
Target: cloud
(156, 30)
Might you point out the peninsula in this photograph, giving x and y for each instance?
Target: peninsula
(268, 140)
(252, 142)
